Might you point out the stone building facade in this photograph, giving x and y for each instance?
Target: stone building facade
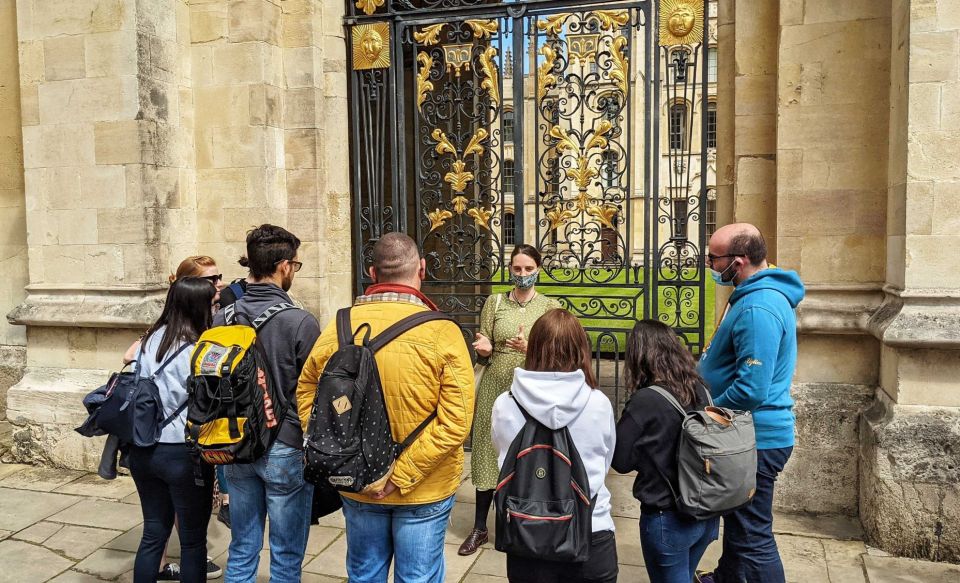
(133, 133)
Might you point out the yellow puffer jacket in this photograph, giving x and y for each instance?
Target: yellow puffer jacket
(426, 369)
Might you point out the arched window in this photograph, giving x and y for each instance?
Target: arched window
(678, 126)
(508, 126)
(509, 228)
(712, 125)
(507, 177)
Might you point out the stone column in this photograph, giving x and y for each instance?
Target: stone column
(13, 212)
(910, 471)
(106, 141)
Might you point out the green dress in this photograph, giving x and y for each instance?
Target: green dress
(499, 323)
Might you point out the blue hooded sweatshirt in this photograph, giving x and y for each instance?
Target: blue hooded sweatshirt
(749, 363)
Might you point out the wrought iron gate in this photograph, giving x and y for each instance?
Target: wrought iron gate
(477, 125)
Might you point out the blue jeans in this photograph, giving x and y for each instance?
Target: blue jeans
(412, 536)
(271, 486)
(749, 550)
(164, 475)
(222, 480)
(673, 544)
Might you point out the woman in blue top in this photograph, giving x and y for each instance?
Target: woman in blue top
(164, 473)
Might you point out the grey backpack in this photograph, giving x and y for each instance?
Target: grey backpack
(716, 460)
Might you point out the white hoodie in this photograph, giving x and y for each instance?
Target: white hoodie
(563, 399)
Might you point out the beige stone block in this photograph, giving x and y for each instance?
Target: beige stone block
(82, 17)
(918, 207)
(334, 82)
(11, 178)
(222, 106)
(755, 134)
(948, 14)
(836, 166)
(236, 63)
(896, 261)
(332, 18)
(756, 175)
(817, 11)
(210, 225)
(31, 62)
(63, 58)
(300, 66)
(103, 265)
(142, 264)
(153, 187)
(75, 226)
(843, 259)
(29, 105)
(933, 155)
(164, 59)
(254, 20)
(157, 19)
(124, 226)
(301, 148)
(201, 65)
(300, 108)
(919, 15)
(102, 187)
(266, 105)
(238, 146)
(229, 187)
(946, 208)
(829, 125)
(297, 29)
(302, 189)
(934, 56)
(62, 264)
(85, 100)
(928, 377)
(756, 37)
(238, 221)
(208, 22)
(928, 262)
(791, 12)
(60, 188)
(118, 142)
(949, 106)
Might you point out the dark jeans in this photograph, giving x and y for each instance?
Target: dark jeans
(673, 544)
(600, 567)
(749, 550)
(164, 475)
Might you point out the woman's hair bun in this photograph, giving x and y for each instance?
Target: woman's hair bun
(243, 261)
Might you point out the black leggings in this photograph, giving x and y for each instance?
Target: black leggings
(600, 567)
(164, 475)
(484, 500)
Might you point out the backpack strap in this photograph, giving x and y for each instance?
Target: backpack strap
(404, 325)
(237, 289)
(230, 314)
(344, 337)
(173, 415)
(670, 398)
(167, 361)
(416, 432)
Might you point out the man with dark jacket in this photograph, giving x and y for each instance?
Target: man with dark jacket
(273, 485)
(748, 366)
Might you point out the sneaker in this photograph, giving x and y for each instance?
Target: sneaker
(213, 569)
(169, 572)
(704, 577)
(223, 515)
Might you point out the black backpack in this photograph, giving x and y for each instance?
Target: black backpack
(236, 408)
(348, 444)
(544, 509)
(130, 408)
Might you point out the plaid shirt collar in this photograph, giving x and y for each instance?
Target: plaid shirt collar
(389, 297)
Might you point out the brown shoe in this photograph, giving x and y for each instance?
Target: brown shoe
(474, 541)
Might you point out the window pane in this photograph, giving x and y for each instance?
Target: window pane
(711, 217)
(509, 229)
(712, 125)
(507, 126)
(678, 126)
(712, 65)
(507, 176)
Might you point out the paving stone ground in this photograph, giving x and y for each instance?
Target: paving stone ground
(72, 527)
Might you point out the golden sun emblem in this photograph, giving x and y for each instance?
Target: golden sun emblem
(371, 46)
(681, 22)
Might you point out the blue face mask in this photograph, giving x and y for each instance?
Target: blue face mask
(718, 277)
(525, 281)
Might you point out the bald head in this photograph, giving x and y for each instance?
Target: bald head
(740, 239)
(396, 259)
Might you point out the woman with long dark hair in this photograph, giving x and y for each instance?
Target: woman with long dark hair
(501, 345)
(164, 473)
(557, 387)
(647, 438)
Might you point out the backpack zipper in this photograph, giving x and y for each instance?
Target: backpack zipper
(563, 518)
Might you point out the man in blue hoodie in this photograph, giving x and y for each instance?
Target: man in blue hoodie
(748, 365)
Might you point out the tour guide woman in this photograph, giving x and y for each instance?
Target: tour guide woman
(501, 345)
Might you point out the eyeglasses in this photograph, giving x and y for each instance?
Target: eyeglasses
(213, 278)
(296, 264)
(712, 258)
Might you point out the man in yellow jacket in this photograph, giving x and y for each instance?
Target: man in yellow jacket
(426, 369)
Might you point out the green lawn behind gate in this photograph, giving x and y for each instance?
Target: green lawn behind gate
(609, 293)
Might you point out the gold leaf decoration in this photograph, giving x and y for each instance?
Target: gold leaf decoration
(459, 204)
(481, 217)
(430, 35)
(483, 28)
(618, 73)
(371, 46)
(611, 19)
(545, 76)
(681, 22)
(565, 142)
(553, 24)
(581, 176)
(473, 146)
(459, 177)
(598, 139)
(604, 214)
(424, 85)
(583, 47)
(369, 6)
(558, 217)
(444, 146)
(492, 82)
(438, 218)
